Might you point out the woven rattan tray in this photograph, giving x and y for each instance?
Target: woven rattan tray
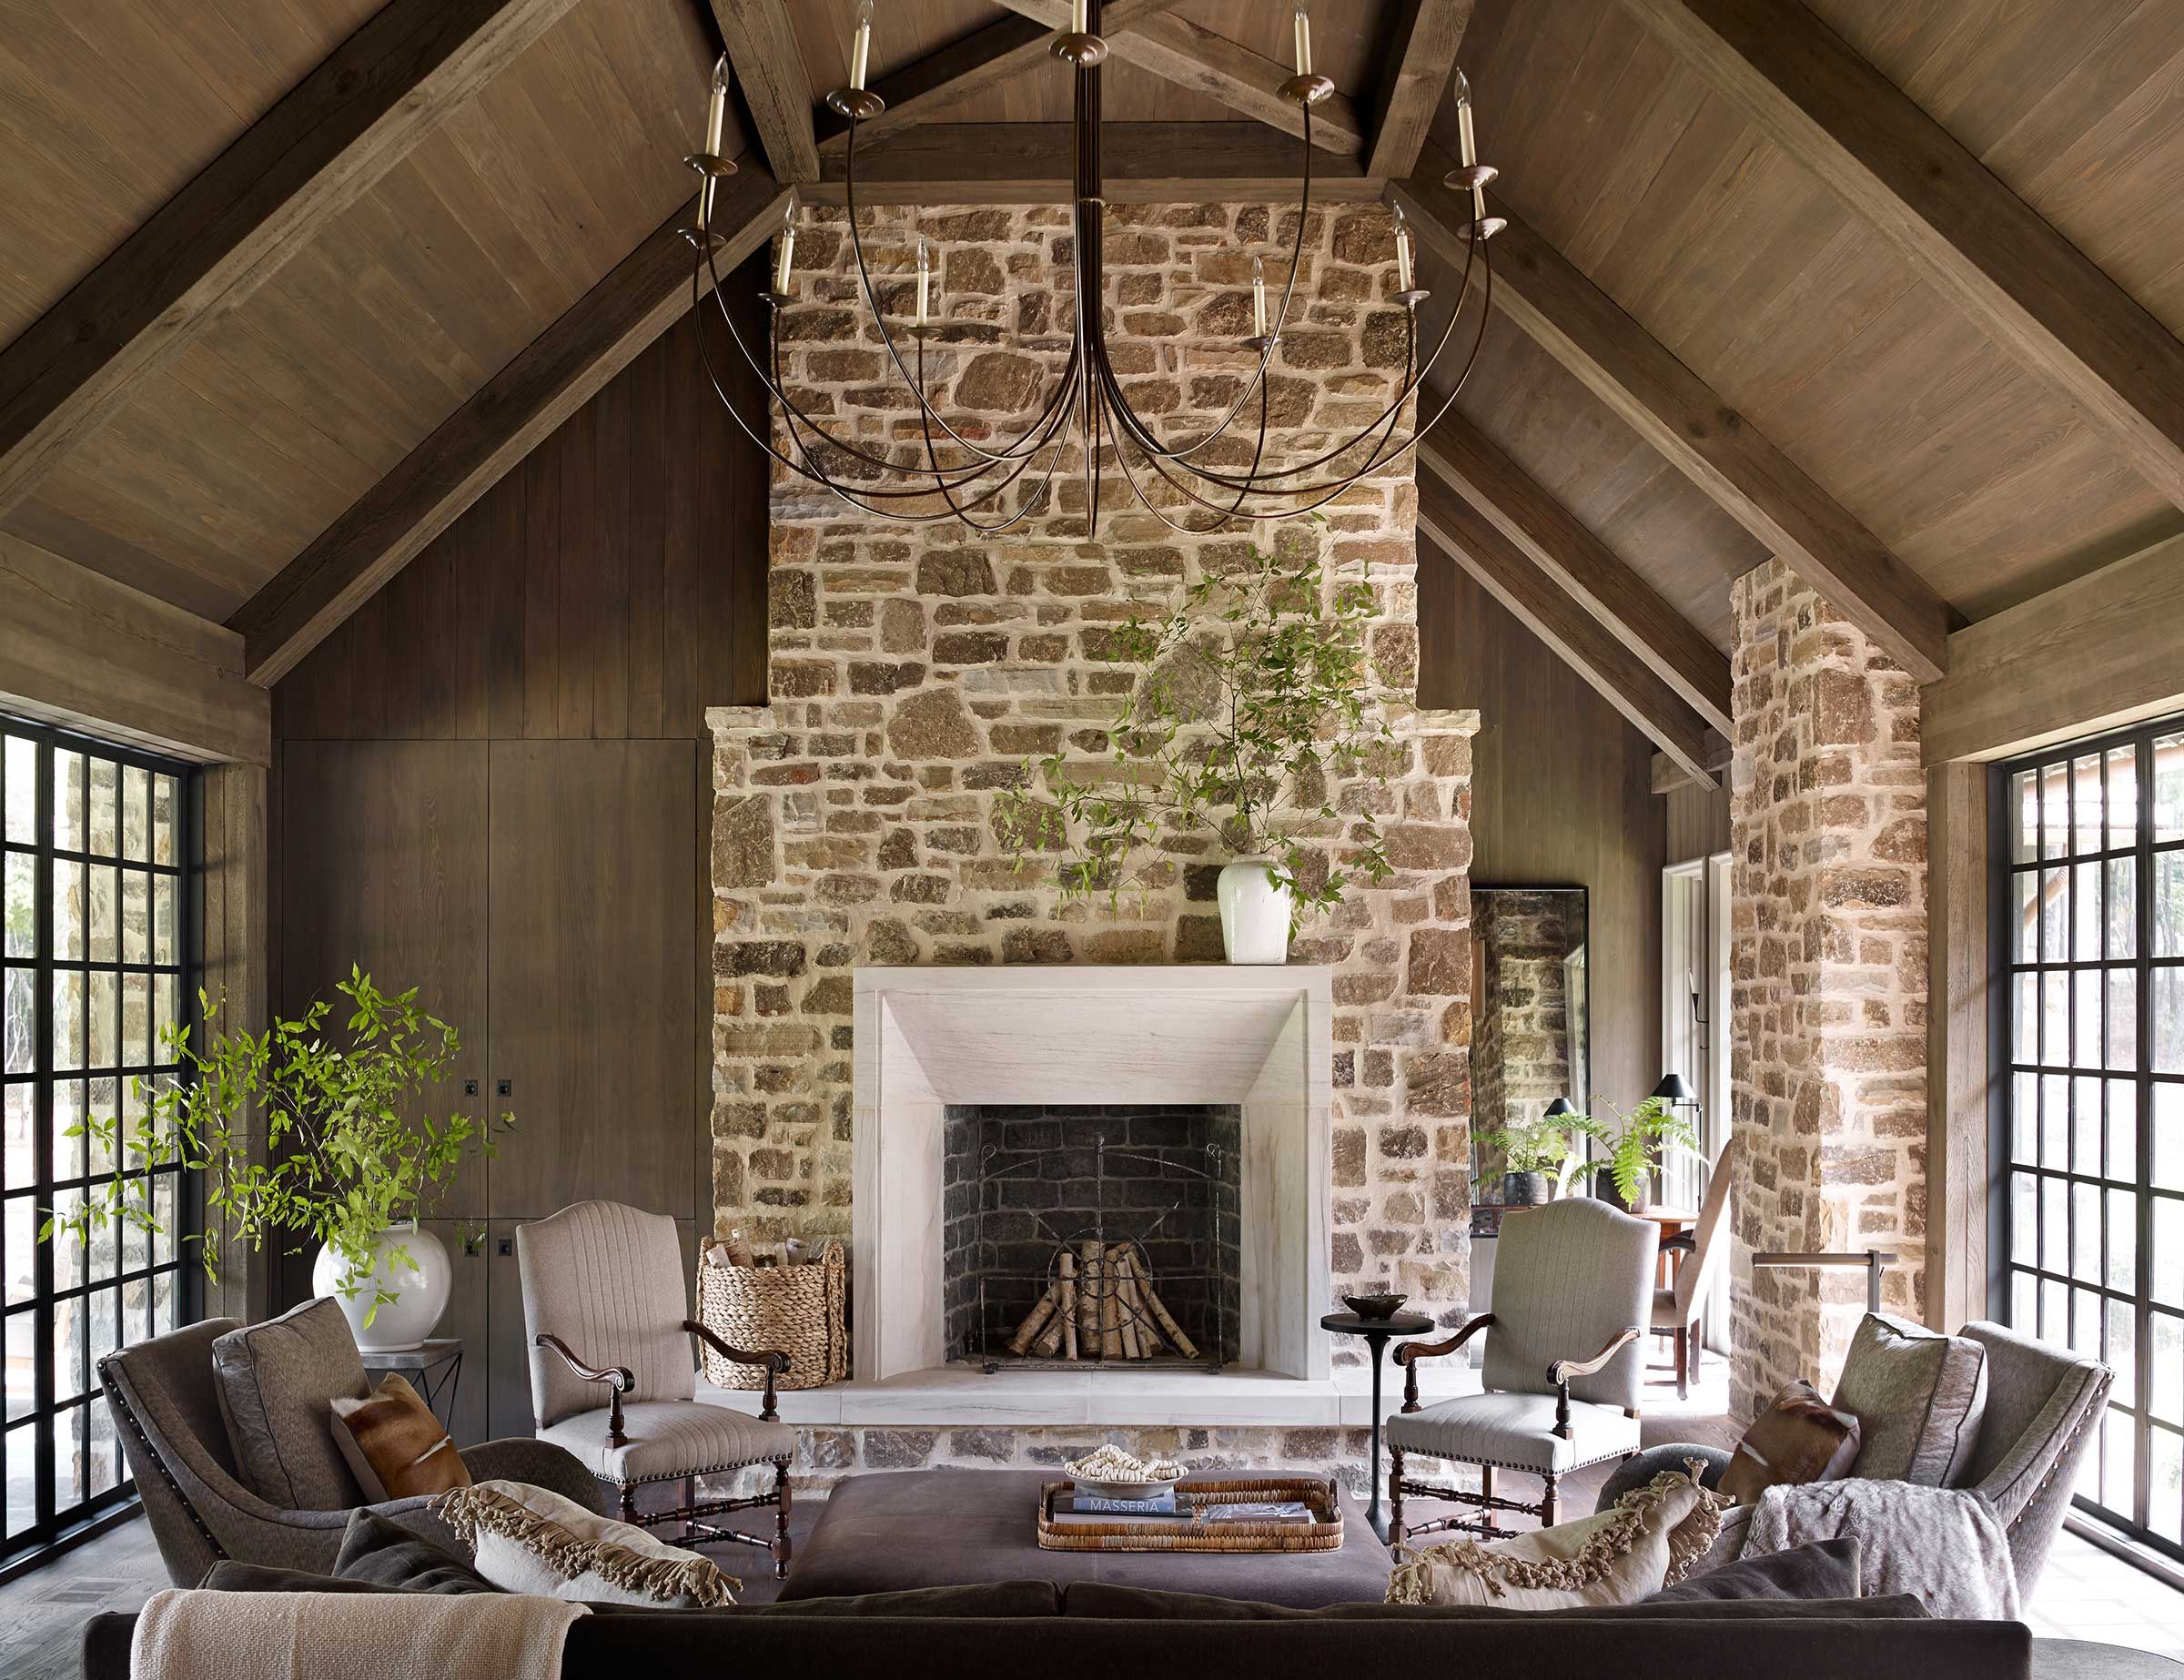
(1125, 1534)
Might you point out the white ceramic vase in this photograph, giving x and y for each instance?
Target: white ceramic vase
(1255, 912)
(421, 1290)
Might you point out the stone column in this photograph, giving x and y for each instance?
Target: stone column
(1828, 1001)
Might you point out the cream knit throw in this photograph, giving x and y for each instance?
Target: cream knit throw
(185, 1634)
(1649, 1540)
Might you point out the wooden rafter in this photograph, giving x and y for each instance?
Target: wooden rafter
(1669, 776)
(1192, 56)
(1146, 163)
(289, 175)
(1974, 239)
(1683, 417)
(1428, 34)
(984, 58)
(762, 51)
(548, 380)
(1626, 681)
(1552, 538)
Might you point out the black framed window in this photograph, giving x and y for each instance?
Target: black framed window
(2089, 919)
(94, 946)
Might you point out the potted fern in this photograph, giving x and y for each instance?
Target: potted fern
(1255, 695)
(342, 1167)
(1635, 1143)
(1539, 1157)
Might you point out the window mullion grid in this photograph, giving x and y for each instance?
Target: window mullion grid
(2142, 1324)
(42, 948)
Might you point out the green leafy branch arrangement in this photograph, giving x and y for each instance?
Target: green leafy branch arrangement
(1546, 1144)
(341, 1163)
(1254, 696)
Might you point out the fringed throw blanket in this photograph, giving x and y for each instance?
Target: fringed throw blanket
(1650, 1539)
(184, 1635)
(530, 1540)
(1944, 1544)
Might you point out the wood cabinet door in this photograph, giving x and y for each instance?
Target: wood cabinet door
(383, 866)
(596, 860)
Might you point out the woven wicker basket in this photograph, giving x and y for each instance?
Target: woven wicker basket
(797, 1309)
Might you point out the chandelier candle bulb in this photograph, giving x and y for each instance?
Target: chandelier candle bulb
(1467, 142)
(1304, 41)
(860, 45)
(924, 280)
(1402, 253)
(716, 107)
(1259, 298)
(786, 254)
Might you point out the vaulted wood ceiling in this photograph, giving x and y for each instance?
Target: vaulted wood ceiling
(1808, 337)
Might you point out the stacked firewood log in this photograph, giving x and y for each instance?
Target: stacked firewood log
(1101, 1304)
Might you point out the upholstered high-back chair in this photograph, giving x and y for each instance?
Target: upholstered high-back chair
(1700, 1251)
(1573, 1294)
(613, 1373)
(165, 1398)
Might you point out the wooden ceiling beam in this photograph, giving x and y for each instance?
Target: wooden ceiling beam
(1581, 564)
(81, 651)
(300, 166)
(1667, 775)
(1686, 420)
(1191, 56)
(1429, 35)
(1581, 641)
(1030, 163)
(1980, 245)
(550, 380)
(984, 58)
(763, 52)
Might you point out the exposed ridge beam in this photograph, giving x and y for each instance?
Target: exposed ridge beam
(1581, 564)
(1575, 635)
(1428, 34)
(985, 58)
(1192, 56)
(1979, 244)
(1028, 163)
(1687, 421)
(296, 169)
(761, 49)
(594, 338)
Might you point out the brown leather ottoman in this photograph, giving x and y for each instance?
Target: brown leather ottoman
(881, 1533)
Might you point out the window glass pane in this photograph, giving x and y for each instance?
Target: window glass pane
(22, 1352)
(21, 1478)
(71, 1481)
(2165, 1485)
(2123, 1129)
(2123, 1352)
(2085, 1233)
(19, 905)
(67, 1114)
(2123, 906)
(135, 1020)
(2168, 1269)
(19, 1053)
(2054, 811)
(2086, 901)
(68, 800)
(135, 917)
(2023, 1219)
(167, 800)
(2025, 1020)
(2089, 825)
(2085, 1324)
(137, 814)
(2025, 889)
(2025, 1302)
(2054, 1231)
(69, 1377)
(2055, 1019)
(2055, 1310)
(2123, 1019)
(67, 1020)
(2166, 1399)
(2123, 1241)
(104, 1098)
(2055, 915)
(2168, 1020)
(2118, 1463)
(102, 802)
(103, 1019)
(2169, 904)
(103, 904)
(2123, 797)
(19, 772)
(2055, 1121)
(2085, 1125)
(18, 1142)
(2169, 788)
(2024, 1118)
(163, 947)
(2167, 1168)
(2086, 983)
(69, 911)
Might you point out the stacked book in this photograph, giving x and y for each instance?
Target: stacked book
(1165, 1505)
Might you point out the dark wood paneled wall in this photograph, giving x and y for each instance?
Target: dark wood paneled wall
(1561, 795)
(610, 588)
(1698, 822)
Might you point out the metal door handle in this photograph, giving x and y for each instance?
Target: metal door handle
(506, 1088)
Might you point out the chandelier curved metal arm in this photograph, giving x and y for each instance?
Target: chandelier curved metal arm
(1087, 406)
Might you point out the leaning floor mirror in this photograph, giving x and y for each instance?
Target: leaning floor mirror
(1529, 1037)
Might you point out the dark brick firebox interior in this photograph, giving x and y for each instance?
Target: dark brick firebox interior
(1020, 1181)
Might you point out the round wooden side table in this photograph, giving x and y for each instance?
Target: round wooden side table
(1378, 1334)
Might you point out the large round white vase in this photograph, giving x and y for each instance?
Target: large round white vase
(1255, 912)
(421, 1290)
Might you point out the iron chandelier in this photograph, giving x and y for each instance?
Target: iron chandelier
(968, 479)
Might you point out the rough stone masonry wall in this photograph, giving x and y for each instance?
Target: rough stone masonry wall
(914, 668)
(1828, 823)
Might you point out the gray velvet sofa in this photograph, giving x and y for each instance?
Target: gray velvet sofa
(166, 1410)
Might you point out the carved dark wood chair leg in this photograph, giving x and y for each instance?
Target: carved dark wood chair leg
(1550, 1504)
(1486, 1482)
(1683, 1362)
(780, 1519)
(1395, 1494)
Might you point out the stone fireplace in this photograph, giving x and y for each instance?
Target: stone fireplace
(914, 669)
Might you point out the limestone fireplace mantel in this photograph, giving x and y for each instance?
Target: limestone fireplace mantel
(1260, 1038)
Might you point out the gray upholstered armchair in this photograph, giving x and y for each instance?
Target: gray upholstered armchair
(167, 1409)
(2042, 1414)
(1574, 1288)
(613, 1374)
